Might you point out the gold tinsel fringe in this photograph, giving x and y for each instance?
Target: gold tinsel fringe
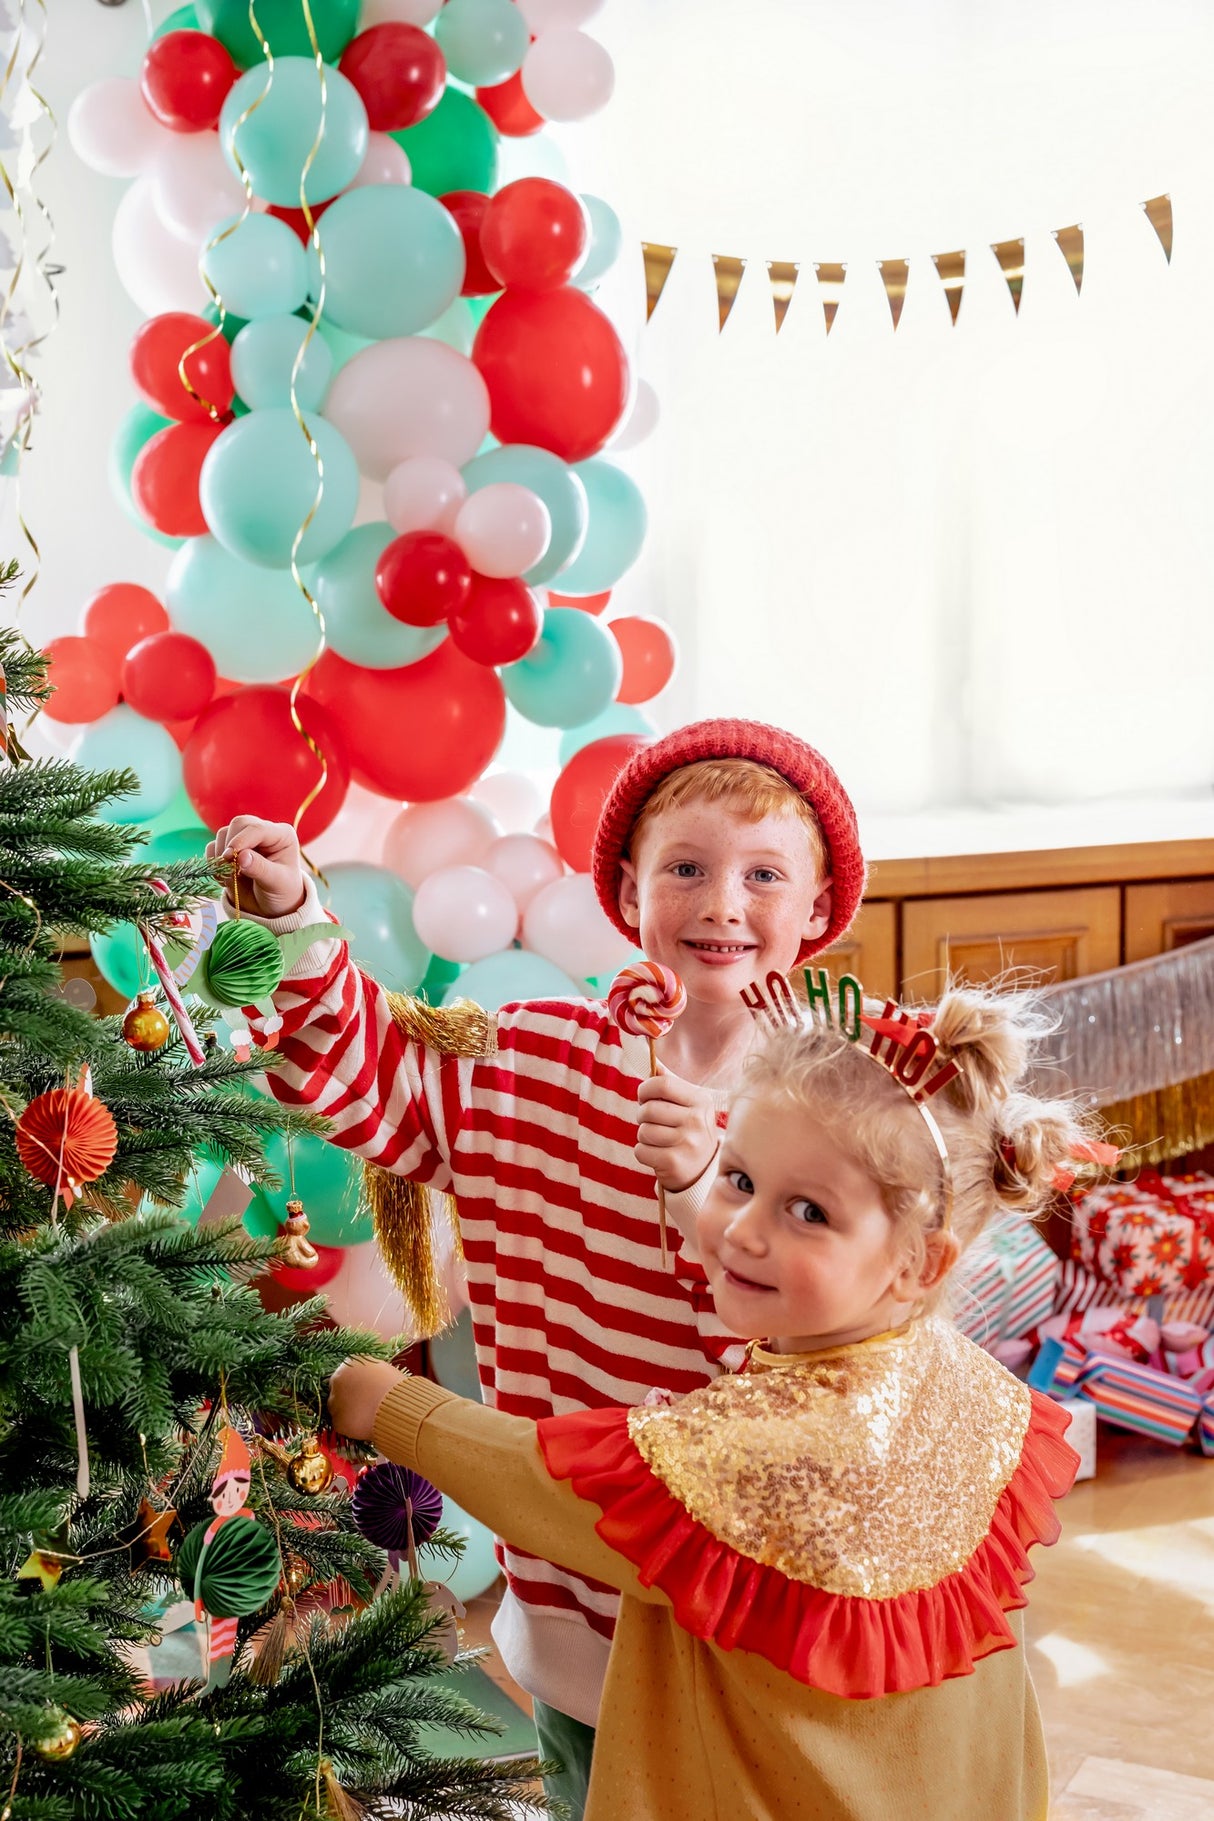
(1167, 1123)
(403, 1210)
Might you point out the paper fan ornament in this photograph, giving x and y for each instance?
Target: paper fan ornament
(66, 1138)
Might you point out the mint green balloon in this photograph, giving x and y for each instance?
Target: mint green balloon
(327, 1180)
(121, 959)
(358, 625)
(394, 259)
(455, 327)
(259, 269)
(122, 739)
(606, 243)
(188, 843)
(454, 148)
(283, 25)
(484, 41)
(555, 483)
(510, 977)
(260, 481)
(572, 674)
(377, 907)
(620, 717)
(254, 622)
(263, 359)
(276, 140)
(179, 813)
(138, 427)
(615, 530)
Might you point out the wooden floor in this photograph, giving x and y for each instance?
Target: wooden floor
(1121, 1624)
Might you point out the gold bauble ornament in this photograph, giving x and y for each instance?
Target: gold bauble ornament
(310, 1471)
(297, 1575)
(61, 1743)
(145, 1026)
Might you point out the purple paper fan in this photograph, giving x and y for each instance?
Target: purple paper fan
(379, 1506)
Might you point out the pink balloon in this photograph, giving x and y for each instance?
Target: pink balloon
(427, 838)
(113, 130)
(567, 75)
(398, 12)
(385, 162)
(195, 189)
(525, 865)
(565, 924)
(503, 529)
(159, 271)
(464, 914)
(356, 831)
(641, 421)
(512, 798)
(424, 493)
(363, 1295)
(409, 396)
(542, 15)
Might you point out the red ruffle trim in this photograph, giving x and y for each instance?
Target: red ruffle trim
(842, 1644)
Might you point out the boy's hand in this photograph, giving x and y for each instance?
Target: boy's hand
(678, 1137)
(267, 858)
(356, 1391)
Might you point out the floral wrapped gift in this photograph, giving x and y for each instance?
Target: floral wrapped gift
(1152, 1237)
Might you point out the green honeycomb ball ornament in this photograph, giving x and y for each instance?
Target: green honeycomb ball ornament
(235, 1573)
(243, 965)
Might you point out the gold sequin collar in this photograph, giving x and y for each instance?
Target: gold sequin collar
(868, 1470)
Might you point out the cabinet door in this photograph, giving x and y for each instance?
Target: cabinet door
(1054, 935)
(1160, 917)
(869, 951)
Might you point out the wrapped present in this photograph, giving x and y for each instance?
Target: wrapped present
(1152, 1237)
(1205, 1427)
(1125, 1333)
(1132, 1396)
(1081, 1433)
(1006, 1283)
(1078, 1289)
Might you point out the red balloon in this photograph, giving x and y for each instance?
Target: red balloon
(534, 234)
(467, 209)
(588, 603)
(649, 653)
(499, 623)
(419, 733)
(399, 72)
(246, 757)
(296, 219)
(164, 480)
(185, 80)
(509, 109)
(85, 674)
(156, 351)
(581, 790)
(329, 1261)
(169, 677)
(423, 578)
(121, 614)
(556, 371)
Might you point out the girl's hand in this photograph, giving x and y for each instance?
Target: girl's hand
(268, 862)
(678, 1137)
(356, 1391)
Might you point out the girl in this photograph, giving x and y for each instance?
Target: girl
(822, 1556)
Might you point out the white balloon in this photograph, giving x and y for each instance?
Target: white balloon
(112, 129)
(567, 75)
(525, 865)
(512, 798)
(398, 12)
(641, 421)
(424, 493)
(541, 15)
(356, 831)
(159, 271)
(370, 508)
(195, 190)
(464, 914)
(409, 396)
(363, 1295)
(565, 924)
(503, 529)
(385, 162)
(427, 837)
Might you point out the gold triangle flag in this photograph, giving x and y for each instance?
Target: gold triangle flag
(894, 274)
(658, 261)
(1070, 245)
(1159, 214)
(1010, 254)
(729, 269)
(830, 278)
(782, 275)
(950, 268)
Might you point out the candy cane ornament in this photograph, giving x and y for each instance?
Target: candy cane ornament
(645, 999)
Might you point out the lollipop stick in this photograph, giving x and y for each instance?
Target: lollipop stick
(653, 1069)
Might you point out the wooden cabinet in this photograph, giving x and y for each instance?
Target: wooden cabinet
(869, 951)
(1162, 917)
(1054, 935)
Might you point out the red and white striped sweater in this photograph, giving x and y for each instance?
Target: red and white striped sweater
(571, 1309)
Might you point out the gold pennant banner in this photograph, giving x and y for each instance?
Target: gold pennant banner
(894, 274)
(782, 275)
(1159, 213)
(729, 270)
(658, 261)
(830, 283)
(950, 269)
(1070, 245)
(1010, 254)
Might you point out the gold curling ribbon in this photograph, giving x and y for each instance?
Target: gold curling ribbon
(830, 283)
(950, 269)
(658, 261)
(1158, 212)
(402, 1209)
(894, 275)
(1070, 245)
(782, 275)
(728, 270)
(1010, 254)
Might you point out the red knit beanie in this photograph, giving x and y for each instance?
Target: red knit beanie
(798, 763)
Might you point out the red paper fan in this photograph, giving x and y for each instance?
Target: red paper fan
(67, 1137)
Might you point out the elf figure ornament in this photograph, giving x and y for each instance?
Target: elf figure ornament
(231, 1565)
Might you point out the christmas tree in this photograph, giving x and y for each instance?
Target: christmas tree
(157, 1424)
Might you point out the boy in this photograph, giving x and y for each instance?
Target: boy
(727, 849)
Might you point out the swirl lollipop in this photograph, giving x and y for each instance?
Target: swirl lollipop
(645, 999)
